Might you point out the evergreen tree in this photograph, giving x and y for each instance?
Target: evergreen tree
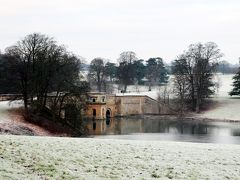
(236, 85)
(156, 72)
(139, 70)
(111, 70)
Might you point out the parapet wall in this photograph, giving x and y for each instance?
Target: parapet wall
(129, 105)
(150, 106)
(134, 105)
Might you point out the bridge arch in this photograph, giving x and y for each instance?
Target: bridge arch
(108, 113)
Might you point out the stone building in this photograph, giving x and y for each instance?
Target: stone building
(102, 105)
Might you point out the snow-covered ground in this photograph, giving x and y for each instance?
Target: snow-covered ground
(225, 85)
(143, 90)
(227, 107)
(13, 123)
(224, 81)
(4, 107)
(68, 158)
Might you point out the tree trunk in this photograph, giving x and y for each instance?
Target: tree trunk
(25, 100)
(99, 82)
(125, 87)
(193, 94)
(99, 87)
(149, 87)
(198, 104)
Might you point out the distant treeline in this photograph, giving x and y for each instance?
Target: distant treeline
(225, 67)
(129, 70)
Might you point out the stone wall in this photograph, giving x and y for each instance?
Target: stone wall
(134, 105)
(111, 105)
(100, 111)
(129, 105)
(150, 106)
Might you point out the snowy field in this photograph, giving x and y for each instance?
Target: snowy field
(67, 158)
(224, 81)
(227, 107)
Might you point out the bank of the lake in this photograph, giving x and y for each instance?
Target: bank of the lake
(24, 157)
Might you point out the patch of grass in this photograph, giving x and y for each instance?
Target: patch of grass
(193, 176)
(45, 169)
(154, 175)
(66, 175)
(169, 176)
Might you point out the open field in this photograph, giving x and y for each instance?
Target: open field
(227, 107)
(67, 158)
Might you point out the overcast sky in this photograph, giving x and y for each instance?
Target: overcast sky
(105, 28)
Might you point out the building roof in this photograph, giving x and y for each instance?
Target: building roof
(122, 95)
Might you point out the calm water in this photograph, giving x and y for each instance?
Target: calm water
(167, 130)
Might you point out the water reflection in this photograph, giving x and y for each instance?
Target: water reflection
(154, 129)
(94, 125)
(235, 132)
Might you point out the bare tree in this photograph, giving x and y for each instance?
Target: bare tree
(48, 74)
(126, 70)
(97, 73)
(26, 52)
(165, 93)
(198, 64)
(181, 90)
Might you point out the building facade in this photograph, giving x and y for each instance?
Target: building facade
(102, 105)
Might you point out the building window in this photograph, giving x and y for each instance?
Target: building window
(103, 99)
(93, 100)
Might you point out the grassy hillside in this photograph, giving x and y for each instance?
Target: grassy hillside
(24, 157)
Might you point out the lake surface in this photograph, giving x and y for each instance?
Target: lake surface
(165, 130)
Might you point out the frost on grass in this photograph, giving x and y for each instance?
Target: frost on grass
(68, 158)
